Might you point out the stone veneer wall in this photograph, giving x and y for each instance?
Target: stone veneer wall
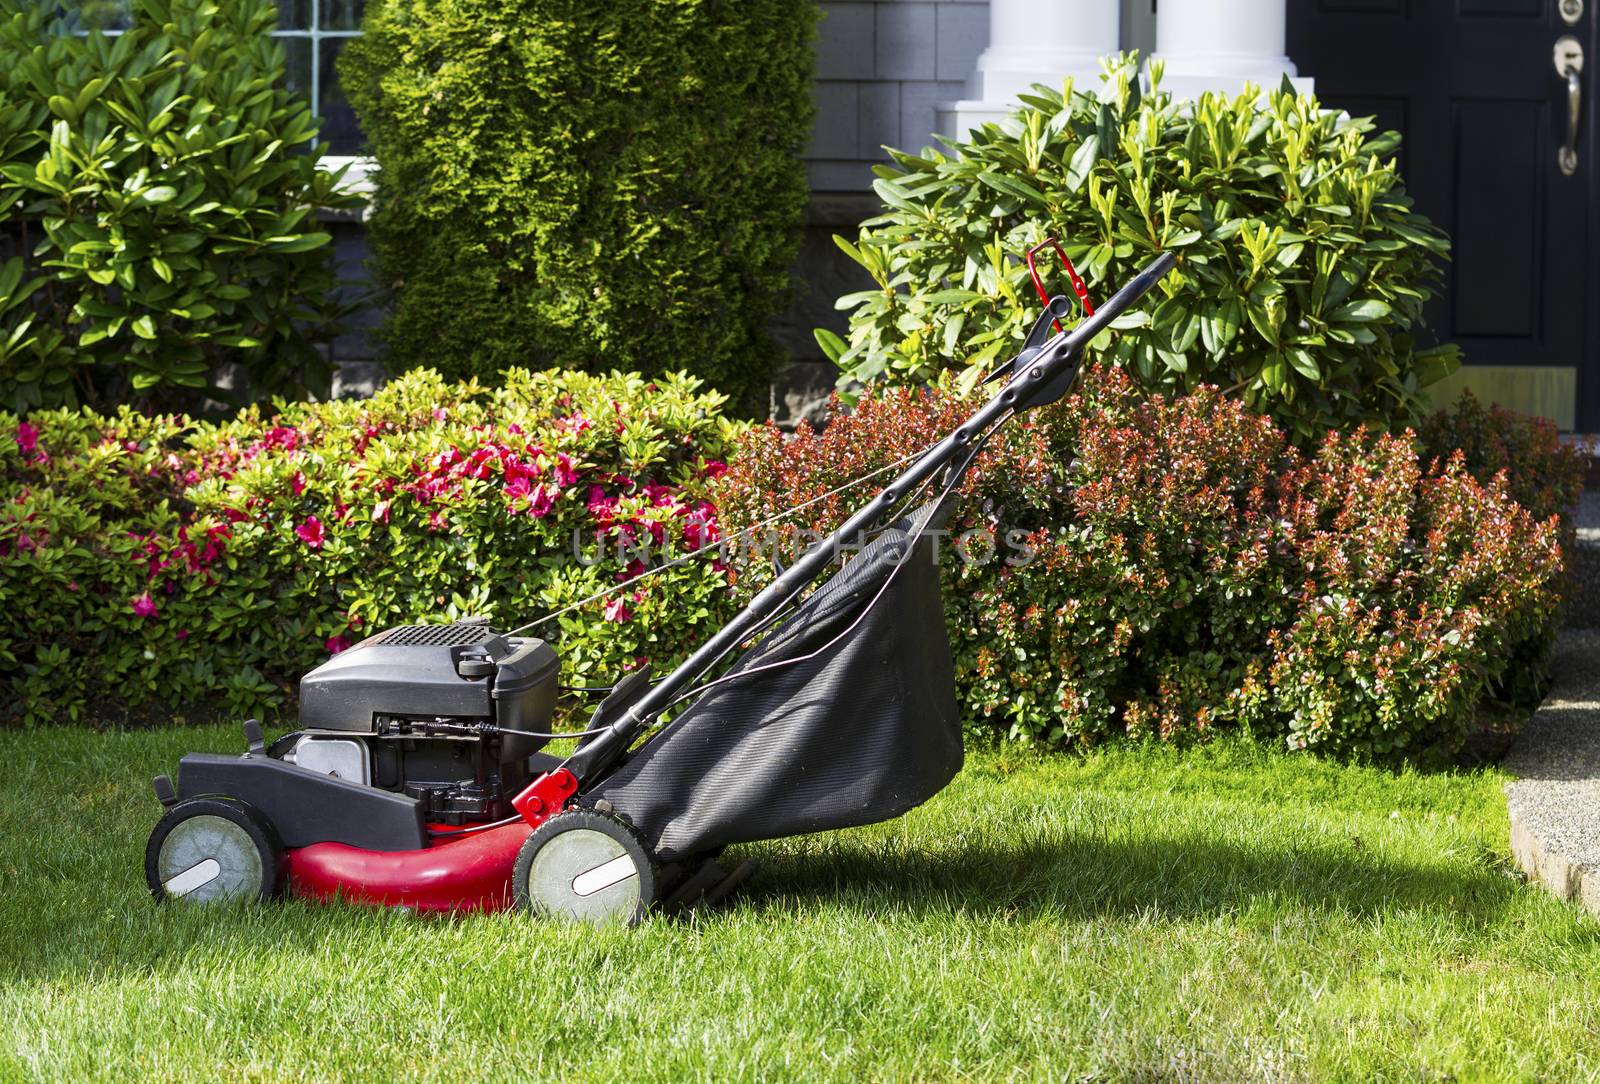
(881, 69)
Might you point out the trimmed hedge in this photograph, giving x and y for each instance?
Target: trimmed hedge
(1192, 569)
(1302, 269)
(564, 180)
(157, 210)
(161, 569)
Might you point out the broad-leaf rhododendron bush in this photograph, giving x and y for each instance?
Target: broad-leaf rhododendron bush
(1123, 563)
(156, 568)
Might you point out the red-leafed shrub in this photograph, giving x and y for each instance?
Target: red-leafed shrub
(158, 568)
(1541, 473)
(1544, 475)
(1165, 566)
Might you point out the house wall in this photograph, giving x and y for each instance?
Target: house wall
(881, 69)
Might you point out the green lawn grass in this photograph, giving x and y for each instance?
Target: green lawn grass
(1141, 913)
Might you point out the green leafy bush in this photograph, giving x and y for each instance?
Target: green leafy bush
(169, 569)
(614, 184)
(1170, 565)
(156, 208)
(1302, 267)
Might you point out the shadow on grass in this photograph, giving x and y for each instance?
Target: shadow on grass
(1095, 877)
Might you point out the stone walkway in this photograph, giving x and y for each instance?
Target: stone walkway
(1555, 801)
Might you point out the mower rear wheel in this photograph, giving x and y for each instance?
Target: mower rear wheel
(585, 866)
(209, 850)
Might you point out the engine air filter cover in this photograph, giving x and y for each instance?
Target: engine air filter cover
(412, 670)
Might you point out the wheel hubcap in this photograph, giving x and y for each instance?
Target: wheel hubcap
(208, 858)
(585, 875)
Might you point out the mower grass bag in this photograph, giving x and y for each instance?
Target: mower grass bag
(813, 739)
(419, 776)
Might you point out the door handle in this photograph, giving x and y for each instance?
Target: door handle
(1569, 65)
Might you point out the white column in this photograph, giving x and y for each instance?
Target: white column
(1033, 41)
(1222, 45)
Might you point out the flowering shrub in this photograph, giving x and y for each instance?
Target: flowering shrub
(158, 568)
(1170, 565)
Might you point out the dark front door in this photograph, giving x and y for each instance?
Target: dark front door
(1472, 86)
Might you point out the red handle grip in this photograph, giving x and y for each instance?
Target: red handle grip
(1072, 273)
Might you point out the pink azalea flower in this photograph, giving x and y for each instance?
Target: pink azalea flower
(542, 501)
(436, 521)
(281, 436)
(477, 466)
(566, 474)
(144, 606)
(298, 483)
(617, 610)
(715, 468)
(183, 634)
(310, 532)
(518, 487)
(336, 644)
(380, 512)
(27, 437)
(700, 527)
(601, 507)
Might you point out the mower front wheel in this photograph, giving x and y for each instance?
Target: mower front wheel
(208, 850)
(585, 866)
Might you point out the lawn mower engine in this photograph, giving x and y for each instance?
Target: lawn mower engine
(404, 739)
(419, 710)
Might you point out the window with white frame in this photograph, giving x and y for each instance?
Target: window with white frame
(312, 32)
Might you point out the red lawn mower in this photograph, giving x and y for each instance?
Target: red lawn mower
(419, 776)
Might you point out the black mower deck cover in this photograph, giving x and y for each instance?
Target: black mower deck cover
(861, 733)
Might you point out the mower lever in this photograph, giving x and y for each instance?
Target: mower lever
(1054, 310)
